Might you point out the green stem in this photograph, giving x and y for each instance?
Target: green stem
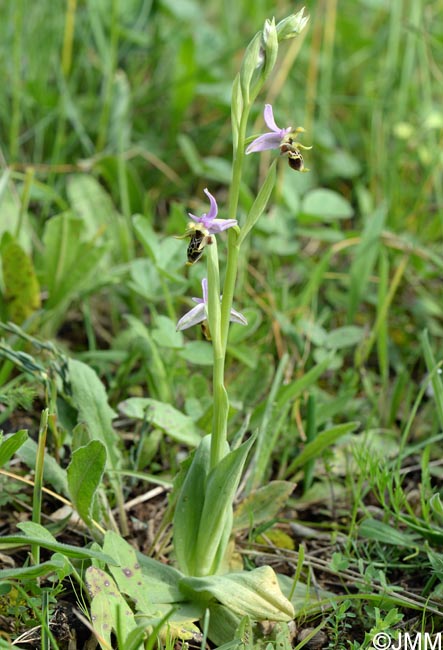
(233, 247)
(38, 480)
(221, 403)
(219, 317)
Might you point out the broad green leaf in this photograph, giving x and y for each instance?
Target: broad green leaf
(68, 263)
(326, 205)
(144, 279)
(344, 337)
(109, 610)
(164, 573)
(165, 334)
(91, 203)
(62, 241)
(198, 353)
(144, 588)
(90, 399)
(262, 504)
(321, 442)
(189, 508)
(10, 444)
(178, 426)
(21, 287)
(224, 626)
(85, 472)
(250, 593)
(340, 163)
(213, 530)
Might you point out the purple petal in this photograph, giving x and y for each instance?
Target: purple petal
(265, 141)
(197, 219)
(205, 290)
(268, 114)
(214, 207)
(194, 316)
(218, 225)
(236, 317)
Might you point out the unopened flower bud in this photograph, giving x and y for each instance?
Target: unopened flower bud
(292, 25)
(269, 48)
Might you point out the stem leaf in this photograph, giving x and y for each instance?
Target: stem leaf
(260, 202)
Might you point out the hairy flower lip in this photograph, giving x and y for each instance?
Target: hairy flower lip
(209, 222)
(199, 313)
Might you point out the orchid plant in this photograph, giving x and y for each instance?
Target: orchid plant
(203, 516)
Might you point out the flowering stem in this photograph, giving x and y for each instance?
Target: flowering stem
(221, 405)
(233, 247)
(220, 325)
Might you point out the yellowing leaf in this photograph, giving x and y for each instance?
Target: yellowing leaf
(22, 290)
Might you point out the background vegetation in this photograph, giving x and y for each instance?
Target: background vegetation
(113, 118)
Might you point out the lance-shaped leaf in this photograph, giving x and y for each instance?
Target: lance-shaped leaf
(253, 593)
(260, 202)
(216, 517)
(189, 508)
(178, 426)
(85, 472)
(109, 610)
(262, 504)
(90, 399)
(145, 588)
